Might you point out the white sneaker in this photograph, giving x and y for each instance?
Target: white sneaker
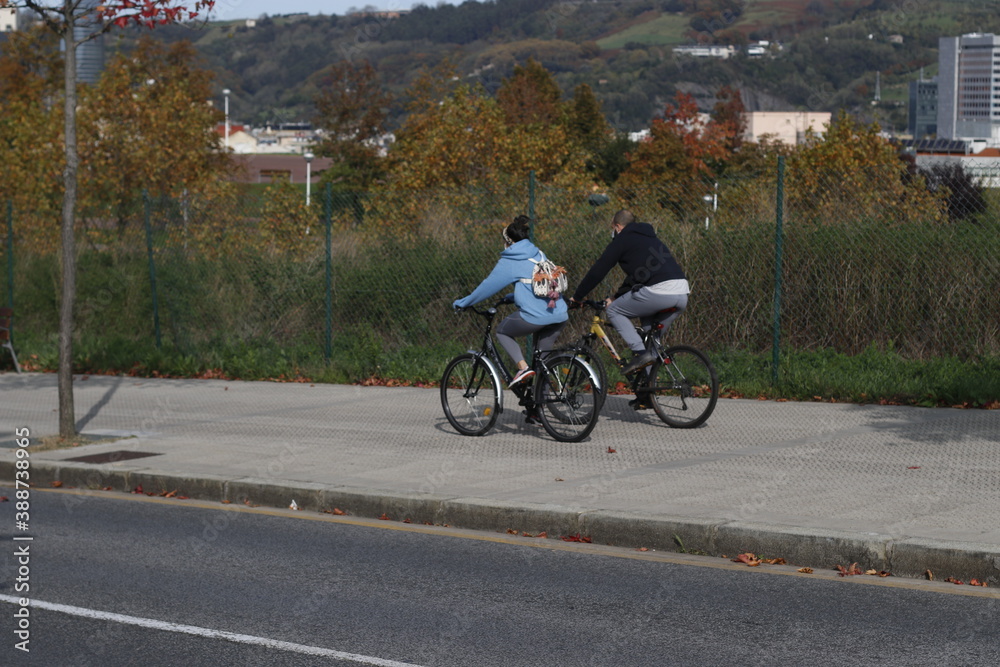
(521, 376)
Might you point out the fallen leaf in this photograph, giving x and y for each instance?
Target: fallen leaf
(4, 499)
(407, 520)
(612, 450)
(747, 558)
(913, 468)
(384, 517)
(805, 570)
(226, 502)
(576, 538)
(871, 572)
(170, 494)
(929, 575)
(976, 582)
(511, 531)
(848, 571)
(182, 498)
(560, 479)
(774, 561)
(953, 580)
(339, 512)
(643, 548)
(56, 484)
(137, 489)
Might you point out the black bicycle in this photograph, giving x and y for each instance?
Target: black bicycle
(564, 394)
(680, 386)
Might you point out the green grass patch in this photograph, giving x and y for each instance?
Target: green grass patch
(874, 376)
(665, 29)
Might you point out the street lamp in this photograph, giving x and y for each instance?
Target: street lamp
(309, 158)
(713, 201)
(226, 93)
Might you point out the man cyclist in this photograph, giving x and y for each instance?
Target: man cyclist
(653, 282)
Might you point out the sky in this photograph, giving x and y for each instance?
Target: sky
(226, 10)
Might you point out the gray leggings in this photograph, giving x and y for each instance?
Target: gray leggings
(644, 305)
(514, 326)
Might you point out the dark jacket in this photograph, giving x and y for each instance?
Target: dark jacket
(644, 258)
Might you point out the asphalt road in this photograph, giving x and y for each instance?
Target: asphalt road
(118, 579)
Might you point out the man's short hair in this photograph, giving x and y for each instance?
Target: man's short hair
(622, 217)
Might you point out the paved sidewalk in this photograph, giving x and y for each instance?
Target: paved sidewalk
(891, 488)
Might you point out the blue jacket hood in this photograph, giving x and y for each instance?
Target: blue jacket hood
(514, 266)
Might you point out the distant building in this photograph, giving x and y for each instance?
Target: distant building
(788, 127)
(923, 109)
(978, 161)
(256, 168)
(90, 54)
(969, 87)
(723, 51)
(8, 19)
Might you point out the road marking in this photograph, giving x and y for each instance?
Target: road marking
(206, 632)
(551, 544)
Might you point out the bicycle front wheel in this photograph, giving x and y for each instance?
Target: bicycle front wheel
(683, 389)
(470, 395)
(567, 398)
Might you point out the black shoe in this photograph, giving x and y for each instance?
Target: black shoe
(640, 404)
(639, 360)
(532, 417)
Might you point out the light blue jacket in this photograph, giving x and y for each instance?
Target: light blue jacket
(515, 264)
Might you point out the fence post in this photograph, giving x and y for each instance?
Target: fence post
(10, 261)
(779, 237)
(531, 205)
(152, 265)
(328, 222)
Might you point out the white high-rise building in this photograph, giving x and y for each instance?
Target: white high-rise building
(969, 87)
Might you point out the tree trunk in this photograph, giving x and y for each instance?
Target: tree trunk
(67, 416)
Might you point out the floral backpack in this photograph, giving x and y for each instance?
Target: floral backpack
(548, 280)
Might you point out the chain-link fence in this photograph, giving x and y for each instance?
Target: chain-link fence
(804, 261)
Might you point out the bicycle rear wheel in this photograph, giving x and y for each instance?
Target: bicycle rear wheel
(567, 398)
(470, 395)
(684, 389)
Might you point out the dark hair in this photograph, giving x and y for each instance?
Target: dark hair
(520, 229)
(623, 217)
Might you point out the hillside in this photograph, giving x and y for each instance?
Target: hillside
(831, 51)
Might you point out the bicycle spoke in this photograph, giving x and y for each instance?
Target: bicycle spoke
(469, 396)
(683, 389)
(568, 399)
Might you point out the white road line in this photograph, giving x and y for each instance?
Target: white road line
(207, 632)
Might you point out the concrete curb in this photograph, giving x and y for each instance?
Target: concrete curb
(817, 549)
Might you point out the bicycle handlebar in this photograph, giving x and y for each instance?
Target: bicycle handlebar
(594, 305)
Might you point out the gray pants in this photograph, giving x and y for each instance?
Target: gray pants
(644, 305)
(514, 326)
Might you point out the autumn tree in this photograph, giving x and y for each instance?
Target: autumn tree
(351, 108)
(147, 125)
(681, 156)
(729, 116)
(853, 168)
(531, 96)
(466, 138)
(30, 75)
(76, 22)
